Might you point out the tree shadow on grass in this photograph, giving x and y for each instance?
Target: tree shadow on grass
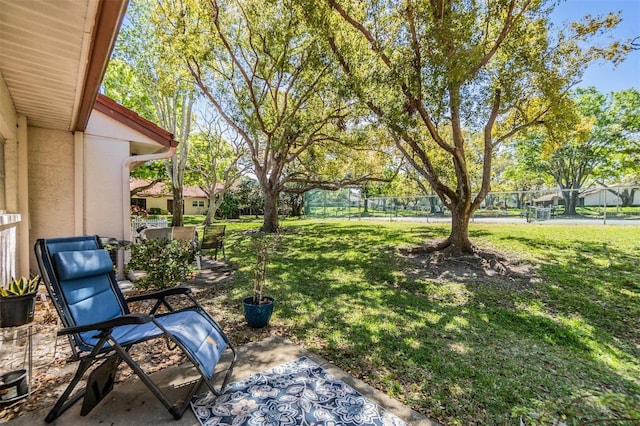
(458, 352)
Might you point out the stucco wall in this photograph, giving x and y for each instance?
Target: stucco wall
(190, 209)
(103, 185)
(51, 183)
(161, 203)
(11, 225)
(107, 146)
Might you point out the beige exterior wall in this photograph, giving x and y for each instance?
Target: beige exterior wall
(51, 183)
(157, 202)
(189, 208)
(103, 185)
(11, 221)
(107, 149)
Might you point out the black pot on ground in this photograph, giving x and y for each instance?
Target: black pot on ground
(17, 310)
(13, 386)
(258, 316)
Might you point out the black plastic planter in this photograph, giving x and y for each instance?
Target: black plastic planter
(257, 316)
(17, 310)
(13, 386)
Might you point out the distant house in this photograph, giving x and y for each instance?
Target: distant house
(549, 200)
(159, 198)
(602, 196)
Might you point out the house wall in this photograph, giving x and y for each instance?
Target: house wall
(156, 202)
(107, 149)
(103, 162)
(161, 203)
(10, 220)
(190, 209)
(51, 185)
(599, 198)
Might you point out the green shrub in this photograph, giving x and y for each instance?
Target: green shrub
(166, 263)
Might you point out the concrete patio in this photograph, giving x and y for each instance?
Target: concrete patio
(131, 403)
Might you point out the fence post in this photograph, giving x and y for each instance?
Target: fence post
(604, 214)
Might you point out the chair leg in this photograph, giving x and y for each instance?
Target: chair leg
(64, 402)
(176, 410)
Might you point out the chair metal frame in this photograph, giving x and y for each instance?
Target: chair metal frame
(108, 341)
(213, 239)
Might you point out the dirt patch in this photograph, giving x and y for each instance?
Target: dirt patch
(483, 266)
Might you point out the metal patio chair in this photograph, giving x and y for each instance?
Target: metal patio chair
(79, 277)
(213, 239)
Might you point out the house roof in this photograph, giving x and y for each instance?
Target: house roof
(140, 124)
(591, 191)
(160, 189)
(53, 55)
(548, 197)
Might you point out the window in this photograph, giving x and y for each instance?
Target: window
(196, 203)
(3, 202)
(139, 202)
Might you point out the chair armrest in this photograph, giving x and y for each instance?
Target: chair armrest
(161, 294)
(109, 324)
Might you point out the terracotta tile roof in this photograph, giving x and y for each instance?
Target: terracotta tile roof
(160, 189)
(129, 118)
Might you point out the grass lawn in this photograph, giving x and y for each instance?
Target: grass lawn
(459, 352)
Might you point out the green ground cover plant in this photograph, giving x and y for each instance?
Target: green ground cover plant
(560, 341)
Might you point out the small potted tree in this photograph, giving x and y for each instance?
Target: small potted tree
(18, 301)
(258, 307)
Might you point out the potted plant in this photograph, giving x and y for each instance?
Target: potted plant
(258, 307)
(17, 301)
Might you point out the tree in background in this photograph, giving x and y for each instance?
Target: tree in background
(436, 73)
(624, 121)
(589, 138)
(142, 75)
(271, 81)
(215, 163)
(245, 198)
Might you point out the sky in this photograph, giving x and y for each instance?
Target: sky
(604, 76)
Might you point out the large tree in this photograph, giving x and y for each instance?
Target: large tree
(144, 76)
(437, 73)
(216, 163)
(271, 81)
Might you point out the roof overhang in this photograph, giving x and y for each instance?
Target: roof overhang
(53, 55)
(125, 116)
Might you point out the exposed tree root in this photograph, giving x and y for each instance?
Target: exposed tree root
(443, 261)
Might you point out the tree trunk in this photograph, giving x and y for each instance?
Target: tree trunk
(296, 206)
(215, 201)
(626, 197)
(458, 240)
(270, 222)
(178, 207)
(208, 219)
(570, 202)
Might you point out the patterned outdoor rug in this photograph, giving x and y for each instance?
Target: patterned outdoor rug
(299, 392)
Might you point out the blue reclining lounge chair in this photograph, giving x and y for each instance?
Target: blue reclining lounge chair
(79, 277)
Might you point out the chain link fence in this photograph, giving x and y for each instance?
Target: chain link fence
(620, 203)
